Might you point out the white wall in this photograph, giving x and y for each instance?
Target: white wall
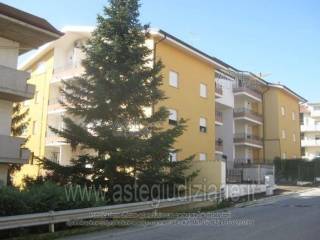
(9, 52)
(5, 117)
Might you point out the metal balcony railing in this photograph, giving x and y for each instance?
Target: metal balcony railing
(219, 116)
(218, 89)
(247, 138)
(219, 145)
(248, 113)
(248, 90)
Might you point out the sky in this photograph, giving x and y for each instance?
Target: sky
(278, 38)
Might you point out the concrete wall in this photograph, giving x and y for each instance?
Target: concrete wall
(9, 52)
(5, 117)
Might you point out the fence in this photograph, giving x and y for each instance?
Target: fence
(50, 218)
(293, 170)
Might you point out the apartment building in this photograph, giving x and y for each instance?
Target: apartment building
(310, 130)
(20, 32)
(225, 107)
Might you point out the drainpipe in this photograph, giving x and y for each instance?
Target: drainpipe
(264, 127)
(155, 56)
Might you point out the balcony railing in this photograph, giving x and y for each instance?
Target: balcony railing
(219, 116)
(310, 128)
(310, 143)
(247, 90)
(67, 71)
(219, 145)
(247, 113)
(14, 86)
(11, 151)
(244, 138)
(218, 89)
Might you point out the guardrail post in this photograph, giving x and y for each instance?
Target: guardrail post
(51, 225)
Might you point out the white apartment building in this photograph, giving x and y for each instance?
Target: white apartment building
(20, 32)
(310, 130)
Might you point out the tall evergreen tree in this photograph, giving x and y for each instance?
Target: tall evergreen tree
(18, 124)
(109, 102)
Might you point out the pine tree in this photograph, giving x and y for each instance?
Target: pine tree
(19, 123)
(109, 100)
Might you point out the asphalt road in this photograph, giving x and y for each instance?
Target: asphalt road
(295, 217)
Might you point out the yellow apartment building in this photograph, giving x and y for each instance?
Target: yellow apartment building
(230, 118)
(282, 123)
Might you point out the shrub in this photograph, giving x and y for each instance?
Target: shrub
(42, 197)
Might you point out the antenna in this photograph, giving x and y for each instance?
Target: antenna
(264, 75)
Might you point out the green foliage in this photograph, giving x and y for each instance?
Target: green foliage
(41, 197)
(293, 170)
(19, 124)
(119, 83)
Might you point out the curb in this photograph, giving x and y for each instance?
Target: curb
(270, 199)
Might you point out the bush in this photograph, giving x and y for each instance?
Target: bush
(42, 197)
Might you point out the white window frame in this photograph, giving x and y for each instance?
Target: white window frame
(283, 111)
(203, 90)
(202, 156)
(203, 125)
(34, 127)
(173, 79)
(172, 156)
(283, 134)
(173, 116)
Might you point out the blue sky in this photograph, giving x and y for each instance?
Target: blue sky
(277, 37)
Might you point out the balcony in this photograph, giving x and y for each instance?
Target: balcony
(247, 91)
(67, 71)
(248, 140)
(310, 128)
(219, 146)
(11, 151)
(55, 140)
(218, 90)
(219, 118)
(310, 143)
(248, 114)
(54, 105)
(13, 85)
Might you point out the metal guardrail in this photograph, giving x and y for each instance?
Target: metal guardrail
(53, 217)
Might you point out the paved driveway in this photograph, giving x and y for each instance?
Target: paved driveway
(292, 218)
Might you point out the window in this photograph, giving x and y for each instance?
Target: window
(203, 90)
(173, 79)
(202, 156)
(283, 134)
(173, 117)
(36, 99)
(173, 157)
(34, 127)
(294, 137)
(283, 111)
(293, 116)
(284, 155)
(203, 125)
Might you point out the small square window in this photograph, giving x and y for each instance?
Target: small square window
(202, 156)
(283, 111)
(173, 79)
(203, 125)
(36, 97)
(203, 90)
(34, 127)
(173, 157)
(283, 134)
(173, 117)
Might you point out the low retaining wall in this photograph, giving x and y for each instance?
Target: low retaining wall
(240, 190)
